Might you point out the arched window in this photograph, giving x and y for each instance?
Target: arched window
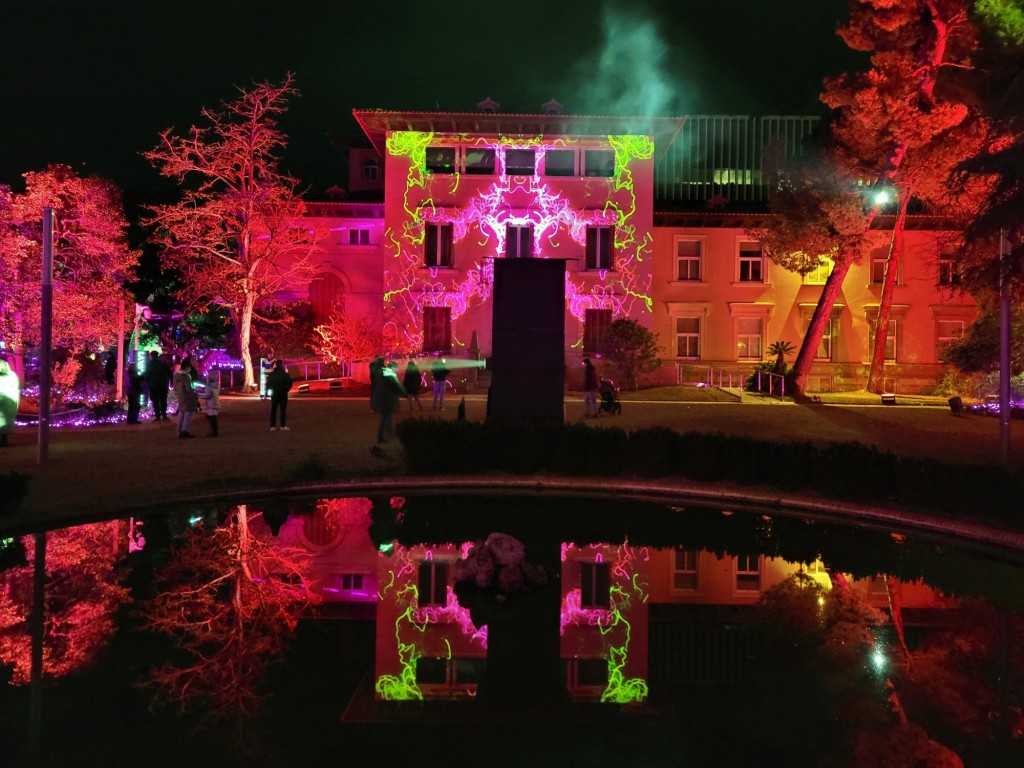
(326, 296)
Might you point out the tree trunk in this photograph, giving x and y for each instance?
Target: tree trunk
(244, 334)
(876, 376)
(822, 314)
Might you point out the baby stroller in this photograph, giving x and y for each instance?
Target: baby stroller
(609, 398)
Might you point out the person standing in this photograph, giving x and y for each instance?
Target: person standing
(266, 368)
(278, 385)
(211, 400)
(10, 394)
(135, 381)
(439, 373)
(376, 366)
(591, 385)
(390, 390)
(188, 403)
(158, 377)
(412, 381)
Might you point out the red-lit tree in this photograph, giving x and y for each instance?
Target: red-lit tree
(903, 123)
(83, 592)
(350, 338)
(231, 598)
(91, 259)
(235, 236)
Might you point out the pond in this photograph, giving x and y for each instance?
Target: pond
(511, 628)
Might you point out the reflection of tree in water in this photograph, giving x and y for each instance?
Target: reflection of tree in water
(82, 595)
(230, 598)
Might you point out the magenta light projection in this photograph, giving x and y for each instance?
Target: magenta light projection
(626, 591)
(479, 208)
(419, 631)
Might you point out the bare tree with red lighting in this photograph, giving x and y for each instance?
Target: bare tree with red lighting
(91, 259)
(347, 338)
(231, 599)
(83, 593)
(236, 236)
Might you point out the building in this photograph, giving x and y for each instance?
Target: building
(651, 216)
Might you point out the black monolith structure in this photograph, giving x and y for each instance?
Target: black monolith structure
(527, 360)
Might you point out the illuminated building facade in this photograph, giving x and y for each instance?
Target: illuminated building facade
(651, 216)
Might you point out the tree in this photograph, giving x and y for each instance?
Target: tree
(83, 594)
(818, 214)
(896, 123)
(632, 349)
(978, 349)
(231, 599)
(91, 259)
(236, 235)
(780, 349)
(349, 338)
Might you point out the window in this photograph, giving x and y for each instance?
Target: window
(751, 262)
(560, 162)
(950, 272)
(433, 583)
(437, 248)
(688, 259)
(440, 160)
(948, 331)
(518, 241)
(879, 258)
(326, 296)
(820, 273)
(595, 589)
(480, 162)
(598, 162)
(596, 322)
(586, 672)
(825, 345)
(599, 247)
(688, 337)
(748, 338)
(370, 169)
(748, 573)
(352, 582)
(437, 329)
(684, 569)
(360, 236)
(520, 162)
(890, 341)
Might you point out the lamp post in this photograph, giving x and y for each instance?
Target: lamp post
(1004, 351)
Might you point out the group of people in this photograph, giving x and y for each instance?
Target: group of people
(386, 389)
(189, 389)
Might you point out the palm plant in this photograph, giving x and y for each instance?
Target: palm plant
(780, 349)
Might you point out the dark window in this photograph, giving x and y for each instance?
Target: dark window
(440, 160)
(371, 169)
(599, 162)
(592, 672)
(431, 671)
(520, 162)
(560, 162)
(480, 161)
(751, 263)
(596, 322)
(433, 583)
(518, 241)
(437, 329)
(599, 247)
(595, 591)
(359, 237)
(438, 245)
(950, 272)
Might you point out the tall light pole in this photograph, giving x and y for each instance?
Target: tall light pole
(45, 338)
(1004, 350)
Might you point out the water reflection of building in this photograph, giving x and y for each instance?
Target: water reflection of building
(626, 613)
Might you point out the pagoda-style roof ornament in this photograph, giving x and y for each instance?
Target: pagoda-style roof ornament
(551, 107)
(488, 105)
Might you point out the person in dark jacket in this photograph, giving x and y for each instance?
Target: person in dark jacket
(158, 377)
(590, 388)
(376, 366)
(439, 373)
(278, 385)
(135, 382)
(388, 397)
(413, 382)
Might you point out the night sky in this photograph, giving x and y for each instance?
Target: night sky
(92, 84)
